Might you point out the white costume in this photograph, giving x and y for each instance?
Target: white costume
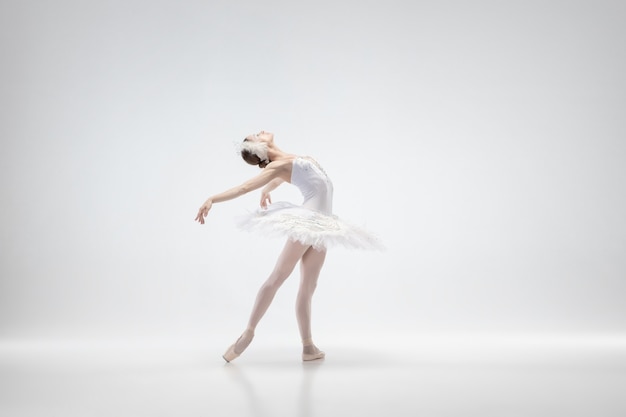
(312, 222)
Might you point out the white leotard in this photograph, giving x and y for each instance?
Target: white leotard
(312, 222)
(314, 184)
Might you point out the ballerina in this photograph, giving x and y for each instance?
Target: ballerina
(310, 228)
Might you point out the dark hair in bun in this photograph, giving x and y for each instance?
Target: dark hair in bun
(250, 157)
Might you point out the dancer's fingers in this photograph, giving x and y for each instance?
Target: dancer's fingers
(265, 198)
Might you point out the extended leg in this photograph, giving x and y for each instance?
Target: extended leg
(289, 257)
(310, 267)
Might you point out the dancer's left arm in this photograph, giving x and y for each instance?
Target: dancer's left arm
(270, 172)
(265, 193)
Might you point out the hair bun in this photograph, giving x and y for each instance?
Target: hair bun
(254, 153)
(256, 148)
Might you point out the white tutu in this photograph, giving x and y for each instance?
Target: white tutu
(308, 226)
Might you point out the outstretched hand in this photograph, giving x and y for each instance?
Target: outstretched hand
(204, 211)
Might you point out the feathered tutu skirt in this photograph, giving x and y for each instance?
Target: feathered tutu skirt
(309, 227)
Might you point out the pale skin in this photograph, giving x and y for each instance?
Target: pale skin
(311, 260)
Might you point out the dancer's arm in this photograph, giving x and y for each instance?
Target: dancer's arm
(265, 193)
(269, 173)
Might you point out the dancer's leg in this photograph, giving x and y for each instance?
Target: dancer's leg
(310, 267)
(289, 257)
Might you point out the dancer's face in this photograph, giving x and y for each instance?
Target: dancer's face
(262, 136)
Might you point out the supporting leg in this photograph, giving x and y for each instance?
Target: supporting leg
(310, 267)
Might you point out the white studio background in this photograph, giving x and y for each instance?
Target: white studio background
(482, 140)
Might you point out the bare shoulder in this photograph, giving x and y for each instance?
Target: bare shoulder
(281, 164)
(282, 167)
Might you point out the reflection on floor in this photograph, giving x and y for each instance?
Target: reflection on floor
(513, 376)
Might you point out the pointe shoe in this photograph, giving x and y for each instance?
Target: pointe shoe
(231, 354)
(311, 356)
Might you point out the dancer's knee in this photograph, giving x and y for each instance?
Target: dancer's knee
(276, 280)
(307, 288)
(281, 273)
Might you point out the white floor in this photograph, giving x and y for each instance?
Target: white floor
(439, 376)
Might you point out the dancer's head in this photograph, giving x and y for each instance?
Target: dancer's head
(254, 149)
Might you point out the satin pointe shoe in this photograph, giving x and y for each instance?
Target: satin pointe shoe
(234, 351)
(315, 354)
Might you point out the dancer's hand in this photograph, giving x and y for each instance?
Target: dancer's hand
(265, 198)
(204, 210)
(265, 192)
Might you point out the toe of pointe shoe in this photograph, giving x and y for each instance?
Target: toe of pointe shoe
(230, 354)
(313, 356)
